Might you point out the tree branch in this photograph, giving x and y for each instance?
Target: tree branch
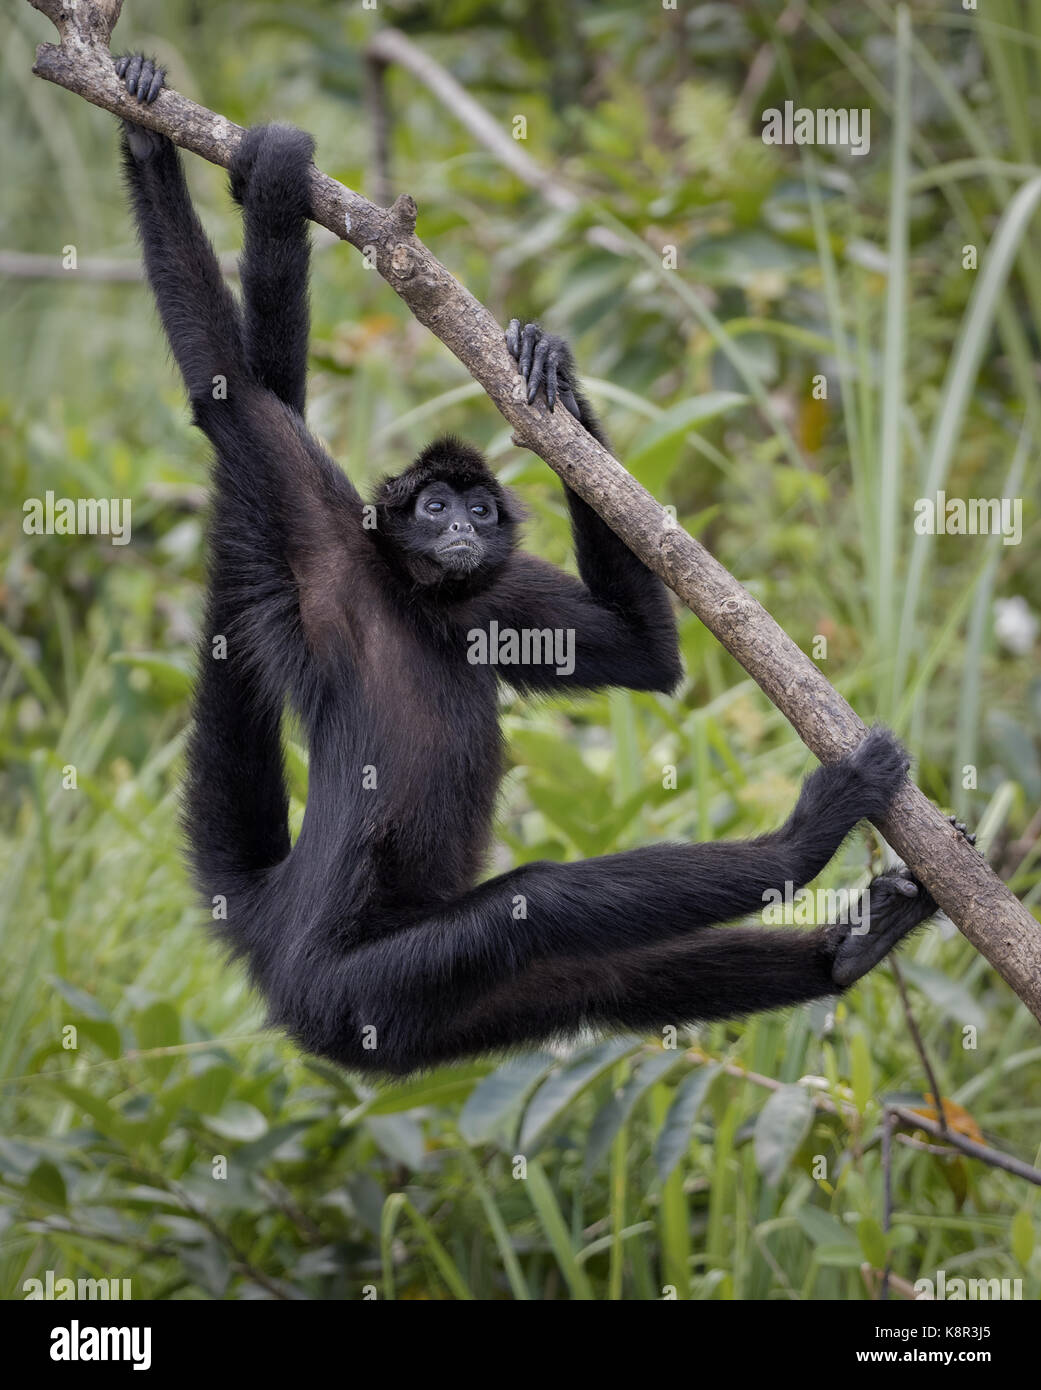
(990, 916)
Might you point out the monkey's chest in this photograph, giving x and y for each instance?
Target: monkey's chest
(431, 760)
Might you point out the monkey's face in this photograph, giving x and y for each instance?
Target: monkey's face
(458, 531)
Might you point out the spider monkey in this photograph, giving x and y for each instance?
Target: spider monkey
(372, 938)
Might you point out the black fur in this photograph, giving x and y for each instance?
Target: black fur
(372, 938)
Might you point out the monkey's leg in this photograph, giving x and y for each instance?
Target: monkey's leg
(718, 973)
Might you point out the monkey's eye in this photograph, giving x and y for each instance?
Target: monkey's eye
(435, 507)
(479, 509)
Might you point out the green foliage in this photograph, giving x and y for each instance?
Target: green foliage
(150, 1129)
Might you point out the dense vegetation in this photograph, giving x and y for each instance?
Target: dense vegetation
(609, 1170)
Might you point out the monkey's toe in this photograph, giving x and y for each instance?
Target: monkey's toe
(141, 76)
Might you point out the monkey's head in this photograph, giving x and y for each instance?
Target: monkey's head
(447, 517)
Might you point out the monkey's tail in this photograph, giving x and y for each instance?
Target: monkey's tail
(236, 805)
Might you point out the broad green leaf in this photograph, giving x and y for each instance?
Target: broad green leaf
(237, 1120)
(781, 1126)
(560, 1088)
(823, 1229)
(443, 1087)
(674, 1135)
(950, 996)
(1022, 1236)
(47, 1184)
(494, 1099)
(84, 1004)
(872, 1241)
(612, 1116)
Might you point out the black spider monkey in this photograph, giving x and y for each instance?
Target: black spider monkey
(369, 937)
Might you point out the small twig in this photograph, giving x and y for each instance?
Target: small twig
(994, 1157)
(916, 1036)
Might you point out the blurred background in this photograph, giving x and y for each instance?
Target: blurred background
(604, 1170)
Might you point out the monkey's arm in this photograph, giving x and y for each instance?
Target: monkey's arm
(268, 177)
(196, 307)
(620, 612)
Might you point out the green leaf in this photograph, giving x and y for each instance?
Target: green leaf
(170, 679)
(1022, 1236)
(872, 1241)
(399, 1137)
(612, 1116)
(674, 1135)
(781, 1126)
(158, 1026)
(951, 997)
(237, 1120)
(106, 1117)
(494, 1099)
(442, 1087)
(656, 449)
(825, 1230)
(554, 1227)
(47, 1184)
(105, 1036)
(559, 1089)
(83, 1003)
(207, 1265)
(841, 1255)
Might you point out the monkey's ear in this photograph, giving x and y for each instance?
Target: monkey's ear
(396, 492)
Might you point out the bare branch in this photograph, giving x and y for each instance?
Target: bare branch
(994, 1157)
(990, 916)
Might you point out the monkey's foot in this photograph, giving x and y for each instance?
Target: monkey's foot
(141, 77)
(896, 904)
(144, 80)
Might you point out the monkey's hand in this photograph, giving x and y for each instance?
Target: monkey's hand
(270, 171)
(544, 358)
(144, 80)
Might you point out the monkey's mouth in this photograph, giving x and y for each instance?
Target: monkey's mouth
(460, 554)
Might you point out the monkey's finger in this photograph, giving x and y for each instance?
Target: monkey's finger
(121, 64)
(529, 337)
(144, 82)
(133, 73)
(538, 368)
(156, 85)
(551, 380)
(513, 337)
(567, 396)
